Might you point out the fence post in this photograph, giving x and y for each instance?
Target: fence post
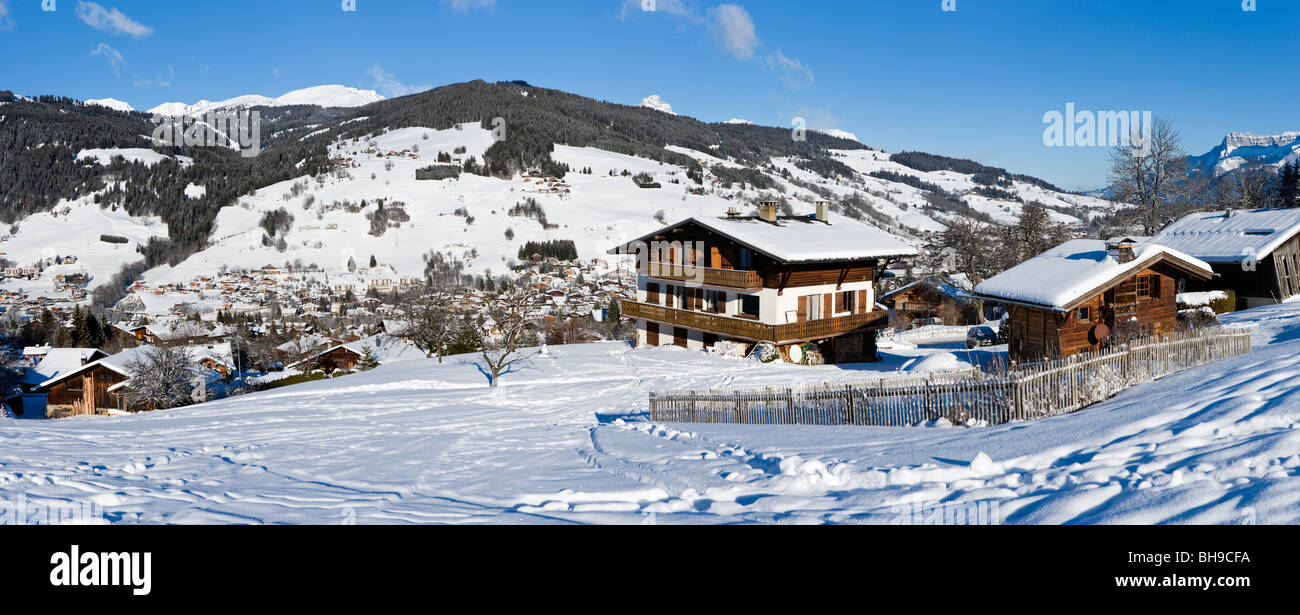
(789, 405)
(695, 417)
(848, 402)
(1018, 404)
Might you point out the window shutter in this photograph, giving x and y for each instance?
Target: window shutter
(863, 308)
(826, 301)
(839, 302)
(802, 314)
(652, 293)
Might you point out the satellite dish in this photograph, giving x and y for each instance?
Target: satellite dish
(796, 353)
(1098, 334)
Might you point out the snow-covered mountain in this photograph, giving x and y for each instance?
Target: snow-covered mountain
(654, 102)
(321, 95)
(1240, 147)
(843, 134)
(111, 103)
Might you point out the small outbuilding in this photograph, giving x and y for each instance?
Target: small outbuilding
(1085, 293)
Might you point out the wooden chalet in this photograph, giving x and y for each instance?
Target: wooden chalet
(803, 283)
(1254, 252)
(931, 297)
(92, 388)
(1086, 293)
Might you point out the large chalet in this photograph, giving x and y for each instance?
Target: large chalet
(1072, 298)
(802, 283)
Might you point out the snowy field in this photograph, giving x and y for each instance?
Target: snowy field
(564, 439)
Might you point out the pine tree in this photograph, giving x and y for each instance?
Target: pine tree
(373, 262)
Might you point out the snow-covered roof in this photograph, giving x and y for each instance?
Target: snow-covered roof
(1077, 270)
(385, 348)
(940, 284)
(61, 361)
(793, 239)
(1215, 237)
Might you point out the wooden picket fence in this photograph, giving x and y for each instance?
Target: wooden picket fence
(1017, 392)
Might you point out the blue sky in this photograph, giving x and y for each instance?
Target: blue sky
(901, 74)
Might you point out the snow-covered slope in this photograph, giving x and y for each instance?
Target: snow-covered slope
(111, 103)
(322, 95)
(1238, 148)
(564, 439)
(74, 229)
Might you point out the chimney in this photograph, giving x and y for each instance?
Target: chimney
(732, 212)
(1121, 249)
(767, 210)
(823, 211)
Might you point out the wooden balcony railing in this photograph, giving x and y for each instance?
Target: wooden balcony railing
(752, 329)
(729, 278)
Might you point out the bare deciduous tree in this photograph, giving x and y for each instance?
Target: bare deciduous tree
(430, 322)
(1151, 172)
(504, 331)
(161, 377)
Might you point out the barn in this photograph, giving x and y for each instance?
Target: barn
(1254, 252)
(1086, 293)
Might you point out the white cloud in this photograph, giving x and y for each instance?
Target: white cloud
(113, 56)
(735, 30)
(794, 74)
(389, 86)
(465, 6)
(6, 21)
(112, 20)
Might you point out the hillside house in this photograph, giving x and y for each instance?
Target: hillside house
(934, 296)
(1086, 293)
(803, 283)
(345, 357)
(1254, 252)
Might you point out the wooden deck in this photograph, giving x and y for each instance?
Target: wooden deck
(754, 330)
(742, 279)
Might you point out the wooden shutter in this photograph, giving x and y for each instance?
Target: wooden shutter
(652, 293)
(826, 302)
(652, 334)
(839, 302)
(862, 306)
(802, 314)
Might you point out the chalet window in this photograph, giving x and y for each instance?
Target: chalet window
(652, 293)
(1082, 314)
(814, 307)
(683, 297)
(715, 301)
(749, 305)
(844, 301)
(744, 258)
(1148, 286)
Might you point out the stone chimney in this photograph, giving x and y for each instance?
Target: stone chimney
(767, 210)
(732, 212)
(1121, 249)
(824, 211)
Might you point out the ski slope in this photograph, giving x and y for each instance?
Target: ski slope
(564, 439)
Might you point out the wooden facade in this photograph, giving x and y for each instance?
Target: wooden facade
(700, 287)
(1271, 279)
(1142, 304)
(83, 392)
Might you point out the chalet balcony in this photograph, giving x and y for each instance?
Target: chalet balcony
(744, 328)
(742, 279)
